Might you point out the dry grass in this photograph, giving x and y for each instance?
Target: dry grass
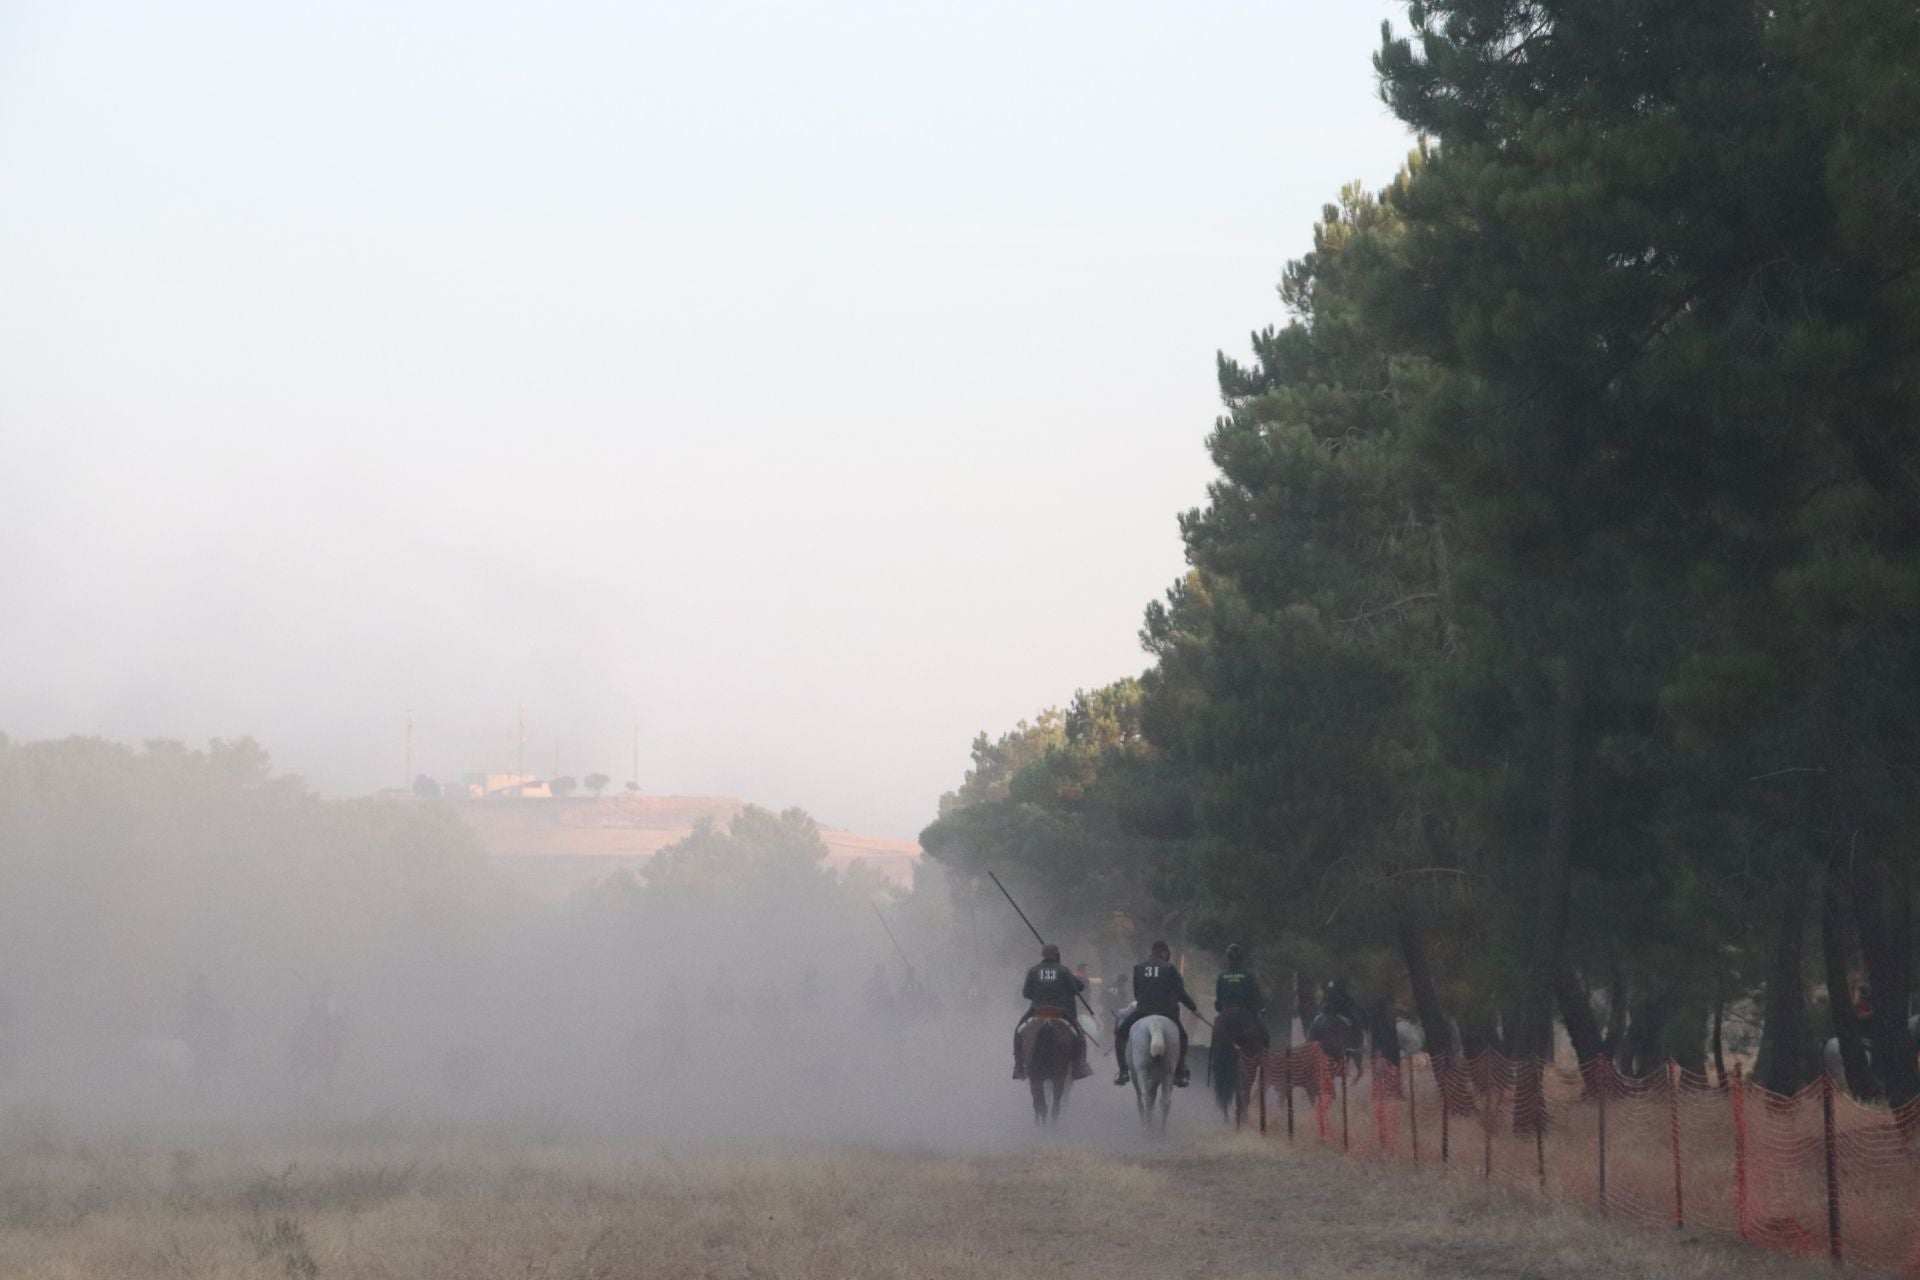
(473, 1209)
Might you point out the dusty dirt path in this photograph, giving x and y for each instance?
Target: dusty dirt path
(1212, 1204)
(1243, 1206)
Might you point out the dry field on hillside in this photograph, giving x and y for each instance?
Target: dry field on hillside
(462, 1208)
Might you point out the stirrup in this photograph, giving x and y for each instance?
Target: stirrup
(1181, 1078)
(1123, 1077)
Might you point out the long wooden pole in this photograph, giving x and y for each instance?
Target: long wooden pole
(1035, 932)
(890, 938)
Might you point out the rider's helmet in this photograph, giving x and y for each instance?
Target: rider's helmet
(1336, 987)
(1233, 953)
(1049, 951)
(1160, 949)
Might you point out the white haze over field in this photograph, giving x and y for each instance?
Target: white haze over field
(817, 384)
(193, 950)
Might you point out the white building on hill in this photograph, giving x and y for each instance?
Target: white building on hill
(511, 786)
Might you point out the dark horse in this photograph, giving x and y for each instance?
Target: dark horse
(1050, 1049)
(1339, 1037)
(1237, 1034)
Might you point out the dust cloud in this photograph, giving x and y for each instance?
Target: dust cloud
(194, 949)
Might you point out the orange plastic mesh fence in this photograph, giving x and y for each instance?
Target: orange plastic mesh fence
(1815, 1174)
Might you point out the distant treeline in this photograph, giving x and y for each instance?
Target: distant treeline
(149, 894)
(1549, 639)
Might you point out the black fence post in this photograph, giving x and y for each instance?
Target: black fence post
(1413, 1108)
(1599, 1072)
(1287, 1076)
(1346, 1137)
(1673, 1140)
(1833, 1169)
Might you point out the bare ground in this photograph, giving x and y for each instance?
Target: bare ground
(1214, 1204)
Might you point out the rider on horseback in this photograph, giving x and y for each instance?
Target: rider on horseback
(1157, 988)
(1051, 991)
(1339, 1003)
(1237, 988)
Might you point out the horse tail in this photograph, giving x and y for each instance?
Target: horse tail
(1223, 1064)
(1157, 1042)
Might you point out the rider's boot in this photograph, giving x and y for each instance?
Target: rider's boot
(1080, 1068)
(1019, 1060)
(1180, 1076)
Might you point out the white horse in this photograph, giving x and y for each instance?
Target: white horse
(1151, 1047)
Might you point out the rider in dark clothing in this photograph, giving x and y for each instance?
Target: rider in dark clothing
(1340, 1004)
(1157, 988)
(1051, 985)
(1236, 987)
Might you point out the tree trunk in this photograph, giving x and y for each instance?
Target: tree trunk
(1478, 1034)
(1447, 629)
(1426, 997)
(1834, 951)
(1617, 996)
(1719, 1044)
(1306, 1005)
(1883, 905)
(1688, 1013)
(1576, 1010)
(1782, 1065)
(1384, 1031)
(1532, 1036)
(1648, 1038)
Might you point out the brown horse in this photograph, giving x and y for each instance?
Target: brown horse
(1051, 1044)
(1237, 1034)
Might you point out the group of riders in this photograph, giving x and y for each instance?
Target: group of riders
(1052, 991)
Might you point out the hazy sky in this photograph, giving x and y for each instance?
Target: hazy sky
(817, 383)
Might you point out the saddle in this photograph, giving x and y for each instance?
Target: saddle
(1030, 1030)
(1240, 1027)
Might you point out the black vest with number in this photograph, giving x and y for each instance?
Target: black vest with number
(1052, 984)
(1157, 987)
